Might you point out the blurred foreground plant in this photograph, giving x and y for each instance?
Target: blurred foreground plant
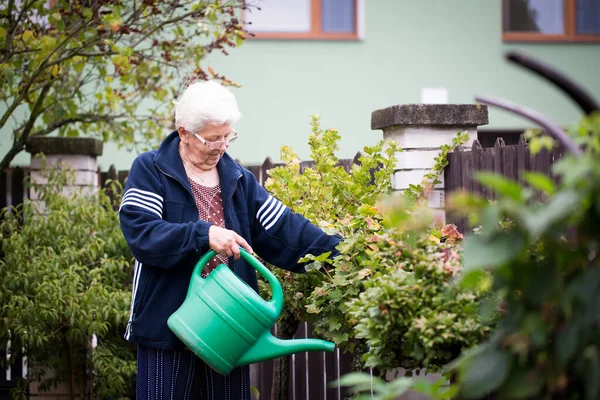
(547, 270)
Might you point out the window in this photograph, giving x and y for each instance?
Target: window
(303, 19)
(551, 20)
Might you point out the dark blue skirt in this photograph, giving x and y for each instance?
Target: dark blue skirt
(181, 375)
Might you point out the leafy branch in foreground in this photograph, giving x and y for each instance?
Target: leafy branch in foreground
(547, 271)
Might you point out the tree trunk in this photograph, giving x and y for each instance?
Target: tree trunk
(286, 328)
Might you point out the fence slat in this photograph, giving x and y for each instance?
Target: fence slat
(13, 178)
(509, 161)
(17, 186)
(476, 163)
(316, 372)
(300, 370)
(523, 158)
(3, 189)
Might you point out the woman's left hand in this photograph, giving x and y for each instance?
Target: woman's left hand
(226, 242)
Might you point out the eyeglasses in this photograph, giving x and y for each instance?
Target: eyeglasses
(231, 137)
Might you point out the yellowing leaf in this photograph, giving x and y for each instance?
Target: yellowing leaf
(434, 239)
(48, 43)
(115, 24)
(55, 70)
(212, 71)
(27, 35)
(364, 273)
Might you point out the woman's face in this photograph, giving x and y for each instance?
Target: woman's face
(203, 154)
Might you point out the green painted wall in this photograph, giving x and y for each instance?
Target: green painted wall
(408, 45)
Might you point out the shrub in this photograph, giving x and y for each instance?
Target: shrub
(412, 313)
(65, 283)
(382, 254)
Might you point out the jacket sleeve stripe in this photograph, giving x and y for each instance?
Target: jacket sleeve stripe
(276, 218)
(144, 200)
(264, 206)
(145, 193)
(272, 213)
(267, 213)
(134, 203)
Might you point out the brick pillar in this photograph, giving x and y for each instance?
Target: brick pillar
(77, 154)
(420, 130)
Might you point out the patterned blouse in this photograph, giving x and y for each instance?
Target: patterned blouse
(210, 209)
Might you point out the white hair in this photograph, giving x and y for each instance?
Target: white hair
(205, 103)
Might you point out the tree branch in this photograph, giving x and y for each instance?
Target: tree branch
(43, 65)
(19, 140)
(162, 25)
(87, 118)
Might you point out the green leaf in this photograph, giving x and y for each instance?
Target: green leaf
(522, 385)
(485, 372)
(476, 279)
(359, 381)
(500, 249)
(9, 74)
(255, 393)
(540, 182)
(501, 185)
(490, 217)
(313, 266)
(591, 373)
(559, 207)
(566, 344)
(573, 169)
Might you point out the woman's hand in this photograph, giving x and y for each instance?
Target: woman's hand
(227, 242)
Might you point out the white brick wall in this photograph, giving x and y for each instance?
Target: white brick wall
(76, 162)
(83, 167)
(427, 137)
(421, 144)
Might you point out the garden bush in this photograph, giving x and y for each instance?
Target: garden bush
(65, 288)
(378, 249)
(412, 313)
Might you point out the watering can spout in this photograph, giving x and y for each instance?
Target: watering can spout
(268, 347)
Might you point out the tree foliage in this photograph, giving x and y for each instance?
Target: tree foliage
(104, 68)
(65, 283)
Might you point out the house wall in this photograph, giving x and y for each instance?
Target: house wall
(408, 45)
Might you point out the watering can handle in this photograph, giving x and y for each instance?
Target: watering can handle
(276, 290)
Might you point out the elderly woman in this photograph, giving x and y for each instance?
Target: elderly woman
(181, 200)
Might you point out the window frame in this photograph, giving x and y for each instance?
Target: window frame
(569, 36)
(316, 32)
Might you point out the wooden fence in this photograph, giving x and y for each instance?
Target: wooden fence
(310, 373)
(12, 193)
(508, 161)
(259, 171)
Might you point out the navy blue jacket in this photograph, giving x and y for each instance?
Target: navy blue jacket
(160, 222)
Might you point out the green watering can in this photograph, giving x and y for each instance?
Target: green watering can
(227, 324)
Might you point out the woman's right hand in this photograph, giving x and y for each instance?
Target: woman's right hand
(226, 242)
